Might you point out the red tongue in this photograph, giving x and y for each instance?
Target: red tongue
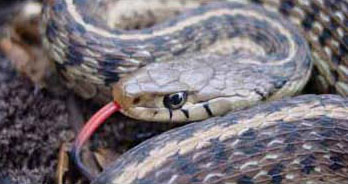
(90, 127)
(95, 121)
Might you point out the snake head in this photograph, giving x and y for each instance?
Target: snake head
(195, 88)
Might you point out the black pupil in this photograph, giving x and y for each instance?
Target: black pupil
(174, 101)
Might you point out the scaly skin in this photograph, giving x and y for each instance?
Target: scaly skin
(297, 140)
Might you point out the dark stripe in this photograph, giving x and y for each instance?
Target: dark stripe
(325, 35)
(276, 173)
(245, 180)
(110, 77)
(170, 114)
(308, 164)
(59, 7)
(219, 151)
(186, 113)
(207, 109)
(51, 30)
(337, 163)
(257, 91)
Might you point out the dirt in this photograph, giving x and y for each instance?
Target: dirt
(32, 126)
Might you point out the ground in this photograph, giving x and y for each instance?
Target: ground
(32, 126)
(34, 123)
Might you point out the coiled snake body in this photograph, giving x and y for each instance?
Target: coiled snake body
(218, 57)
(299, 140)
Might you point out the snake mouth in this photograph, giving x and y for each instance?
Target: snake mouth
(87, 131)
(192, 110)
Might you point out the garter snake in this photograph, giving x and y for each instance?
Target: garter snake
(217, 57)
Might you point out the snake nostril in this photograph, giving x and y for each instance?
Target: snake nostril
(155, 113)
(136, 100)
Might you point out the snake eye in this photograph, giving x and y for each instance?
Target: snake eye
(175, 101)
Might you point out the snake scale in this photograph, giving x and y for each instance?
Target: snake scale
(163, 63)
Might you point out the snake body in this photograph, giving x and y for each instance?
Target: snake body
(299, 140)
(219, 56)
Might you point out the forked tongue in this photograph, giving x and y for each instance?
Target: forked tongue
(90, 127)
